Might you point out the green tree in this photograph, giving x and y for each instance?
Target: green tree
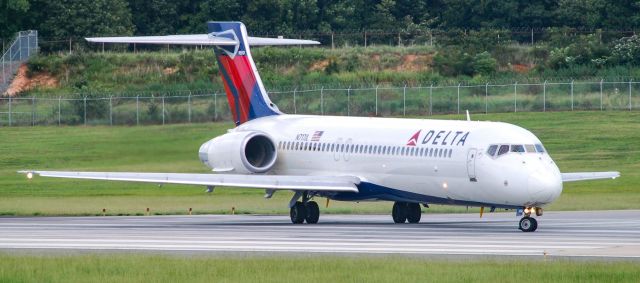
(67, 18)
(13, 17)
(155, 17)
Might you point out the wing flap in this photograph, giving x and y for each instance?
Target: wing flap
(277, 182)
(584, 176)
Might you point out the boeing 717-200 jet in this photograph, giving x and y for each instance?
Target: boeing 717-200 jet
(410, 162)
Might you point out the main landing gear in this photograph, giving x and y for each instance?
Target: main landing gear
(528, 223)
(406, 212)
(305, 210)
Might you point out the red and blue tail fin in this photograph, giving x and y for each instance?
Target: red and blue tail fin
(246, 94)
(247, 97)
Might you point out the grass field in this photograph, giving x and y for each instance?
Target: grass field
(578, 141)
(158, 268)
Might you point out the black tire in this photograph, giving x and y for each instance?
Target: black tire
(298, 213)
(313, 212)
(399, 212)
(414, 213)
(528, 224)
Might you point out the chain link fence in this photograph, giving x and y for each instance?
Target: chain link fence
(17, 52)
(383, 101)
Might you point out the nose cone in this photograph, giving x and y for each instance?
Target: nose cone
(545, 185)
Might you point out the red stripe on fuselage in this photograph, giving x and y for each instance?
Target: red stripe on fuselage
(244, 81)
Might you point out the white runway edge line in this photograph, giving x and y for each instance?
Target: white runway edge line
(579, 234)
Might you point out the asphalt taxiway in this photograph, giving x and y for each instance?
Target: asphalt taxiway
(613, 234)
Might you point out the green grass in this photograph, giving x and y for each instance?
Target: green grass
(159, 268)
(578, 141)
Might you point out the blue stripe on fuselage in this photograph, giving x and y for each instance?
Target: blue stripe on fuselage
(370, 191)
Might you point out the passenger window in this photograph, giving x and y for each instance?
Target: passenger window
(450, 152)
(517, 148)
(492, 150)
(503, 149)
(539, 148)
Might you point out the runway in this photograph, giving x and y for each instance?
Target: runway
(563, 234)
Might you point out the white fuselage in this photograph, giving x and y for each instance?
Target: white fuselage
(418, 160)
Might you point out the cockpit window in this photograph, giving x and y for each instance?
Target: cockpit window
(503, 149)
(530, 148)
(492, 150)
(517, 148)
(540, 148)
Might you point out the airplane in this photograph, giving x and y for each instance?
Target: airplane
(410, 162)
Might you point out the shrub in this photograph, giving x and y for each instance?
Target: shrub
(484, 64)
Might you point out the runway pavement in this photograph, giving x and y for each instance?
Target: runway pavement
(574, 234)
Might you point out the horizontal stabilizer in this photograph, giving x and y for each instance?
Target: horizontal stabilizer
(277, 182)
(584, 176)
(199, 39)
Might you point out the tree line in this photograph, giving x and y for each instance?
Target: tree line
(72, 18)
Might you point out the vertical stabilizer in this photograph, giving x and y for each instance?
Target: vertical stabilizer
(246, 94)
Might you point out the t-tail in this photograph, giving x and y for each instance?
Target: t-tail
(246, 94)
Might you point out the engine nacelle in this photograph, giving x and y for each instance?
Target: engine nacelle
(239, 152)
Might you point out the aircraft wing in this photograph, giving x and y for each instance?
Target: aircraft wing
(277, 182)
(199, 39)
(583, 176)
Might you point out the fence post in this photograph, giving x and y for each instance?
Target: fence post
(10, 122)
(486, 98)
(33, 111)
(59, 106)
(515, 97)
(544, 97)
(137, 110)
(295, 107)
(458, 98)
(322, 100)
(85, 110)
(571, 95)
(332, 45)
(404, 101)
(365, 39)
(163, 110)
(630, 94)
(215, 106)
(111, 110)
(4, 80)
(601, 80)
(431, 99)
(189, 99)
(349, 101)
(28, 44)
(377, 99)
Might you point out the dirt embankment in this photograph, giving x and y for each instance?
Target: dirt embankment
(22, 82)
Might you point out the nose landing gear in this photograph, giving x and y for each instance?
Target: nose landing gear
(528, 223)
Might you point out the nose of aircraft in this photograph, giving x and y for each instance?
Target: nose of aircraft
(545, 185)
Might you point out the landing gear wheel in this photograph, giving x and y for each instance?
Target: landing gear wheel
(528, 224)
(298, 213)
(313, 212)
(413, 212)
(399, 212)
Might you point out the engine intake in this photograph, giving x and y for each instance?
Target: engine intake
(240, 152)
